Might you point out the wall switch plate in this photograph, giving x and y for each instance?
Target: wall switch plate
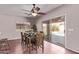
(71, 30)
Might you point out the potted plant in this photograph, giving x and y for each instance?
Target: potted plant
(34, 27)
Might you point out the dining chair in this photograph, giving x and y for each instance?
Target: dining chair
(28, 42)
(40, 40)
(22, 38)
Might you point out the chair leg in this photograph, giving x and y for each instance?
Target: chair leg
(27, 47)
(36, 49)
(42, 48)
(29, 50)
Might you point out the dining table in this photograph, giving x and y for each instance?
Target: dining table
(32, 36)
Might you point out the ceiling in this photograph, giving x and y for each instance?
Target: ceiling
(16, 9)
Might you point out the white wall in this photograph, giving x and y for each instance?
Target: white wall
(8, 26)
(51, 15)
(72, 24)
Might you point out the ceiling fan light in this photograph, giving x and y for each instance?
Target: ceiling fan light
(34, 14)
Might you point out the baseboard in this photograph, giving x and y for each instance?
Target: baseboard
(76, 52)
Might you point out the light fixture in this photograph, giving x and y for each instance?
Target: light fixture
(34, 14)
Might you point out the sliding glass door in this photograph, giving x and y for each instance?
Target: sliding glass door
(54, 30)
(46, 30)
(57, 33)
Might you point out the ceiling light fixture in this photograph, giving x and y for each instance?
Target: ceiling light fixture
(34, 14)
(35, 11)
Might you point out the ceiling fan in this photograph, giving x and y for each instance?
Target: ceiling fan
(34, 11)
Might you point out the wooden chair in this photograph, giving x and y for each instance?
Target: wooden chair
(28, 42)
(22, 38)
(40, 40)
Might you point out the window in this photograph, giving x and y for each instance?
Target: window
(23, 26)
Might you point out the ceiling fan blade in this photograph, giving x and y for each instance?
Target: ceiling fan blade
(26, 10)
(27, 14)
(41, 13)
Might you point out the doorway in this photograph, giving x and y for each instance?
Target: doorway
(54, 30)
